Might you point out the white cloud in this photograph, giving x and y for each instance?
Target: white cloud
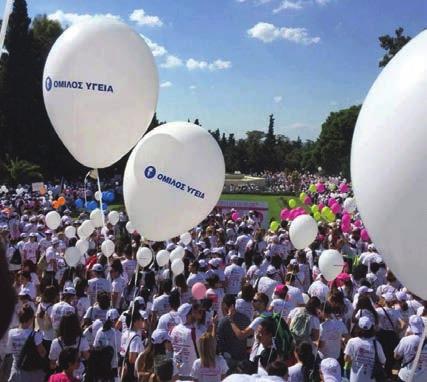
(156, 49)
(322, 2)
(171, 62)
(73, 18)
(288, 5)
(267, 32)
(141, 18)
(166, 84)
(193, 64)
(278, 99)
(193, 87)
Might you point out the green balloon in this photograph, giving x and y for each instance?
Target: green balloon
(302, 196)
(274, 226)
(317, 216)
(315, 208)
(312, 188)
(292, 203)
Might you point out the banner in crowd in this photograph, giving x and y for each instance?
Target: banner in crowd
(243, 207)
(38, 187)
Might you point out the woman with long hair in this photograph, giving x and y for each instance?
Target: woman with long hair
(210, 367)
(365, 308)
(307, 367)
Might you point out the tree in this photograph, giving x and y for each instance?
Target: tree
(196, 122)
(18, 170)
(392, 44)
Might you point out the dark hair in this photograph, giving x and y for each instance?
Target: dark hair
(229, 300)
(175, 299)
(375, 267)
(364, 302)
(312, 305)
(25, 314)
(164, 370)
(269, 325)
(132, 316)
(103, 300)
(181, 282)
(390, 277)
(212, 280)
(67, 357)
(81, 285)
(276, 261)
(30, 265)
(263, 298)
(248, 292)
(277, 368)
(25, 274)
(308, 360)
(117, 266)
(69, 329)
(50, 294)
(165, 286)
(257, 259)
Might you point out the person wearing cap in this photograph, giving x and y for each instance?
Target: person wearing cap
(330, 370)
(407, 349)
(30, 249)
(360, 351)
(319, 288)
(234, 276)
(295, 296)
(362, 291)
(64, 307)
(27, 284)
(184, 339)
(196, 275)
(52, 256)
(242, 241)
(118, 283)
(214, 265)
(406, 306)
(280, 303)
(46, 241)
(98, 283)
(392, 285)
(172, 318)
(266, 284)
(390, 325)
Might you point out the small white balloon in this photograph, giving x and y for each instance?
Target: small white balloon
(144, 256)
(186, 238)
(82, 245)
(108, 247)
(98, 195)
(96, 218)
(86, 229)
(162, 257)
(303, 231)
(53, 219)
(177, 266)
(70, 232)
(129, 227)
(177, 253)
(331, 264)
(349, 205)
(72, 256)
(113, 217)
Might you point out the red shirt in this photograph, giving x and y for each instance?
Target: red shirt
(61, 377)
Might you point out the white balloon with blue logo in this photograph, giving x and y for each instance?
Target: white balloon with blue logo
(100, 88)
(173, 179)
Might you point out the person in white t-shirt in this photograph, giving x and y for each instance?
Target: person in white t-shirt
(129, 264)
(30, 249)
(161, 303)
(280, 303)
(234, 275)
(306, 364)
(319, 288)
(267, 283)
(210, 367)
(330, 370)
(360, 352)
(171, 319)
(242, 241)
(63, 308)
(118, 283)
(98, 284)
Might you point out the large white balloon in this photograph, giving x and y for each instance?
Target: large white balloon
(173, 179)
(303, 231)
(82, 245)
(108, 247)
(389, 164)
(72, 256)
(177, 253)
(86, 229)
(162, 257)
(96, 218)
(185, 238)
(349, 205)
(53, 219)
(177, 266)
(113, 217)
(70, 232)
(330, 264)
(144, 256)
(105, 74)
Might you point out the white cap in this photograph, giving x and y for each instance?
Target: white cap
(416, 324)
(171, 247)
(401, 296)
(271, 270)
(98, 268)
(159, 336)
(365, 323)
(364, 289)
(216, 262)
(331, 370)
(96, 325)
(112, 314)
(202, 263)
(388, 297)
(69, 290)
(184, 310)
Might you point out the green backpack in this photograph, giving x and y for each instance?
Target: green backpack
(300, 327)
(283, 339)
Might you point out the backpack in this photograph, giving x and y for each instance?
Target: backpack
(30, 359)
(283, 338)
(300, 327)
(16, 257)
(99, 364)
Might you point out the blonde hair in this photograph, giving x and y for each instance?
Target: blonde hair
(207, 347)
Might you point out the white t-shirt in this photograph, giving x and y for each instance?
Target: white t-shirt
(384, 321)
(195, 278)
(184, 353)
(132, 342)
(59, 310)
(362, 353)
(129, 266)
(96, 313)
(406, 349)
(318, 289)
(16, 341)
(245, 307)
(241, 243)
(209, 374)
(266, 285)
(295, 296)
(233, 278)
(45, 324)
(282, 307)
(52, 259)
(109, 338)
(295, 373)
(30, 251)
(331, 332)
(82, 306)
(168, 321)
(117, 286)
(97, 285)
(161, 305)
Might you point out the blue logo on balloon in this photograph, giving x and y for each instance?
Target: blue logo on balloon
(150, 172)
(48, 83)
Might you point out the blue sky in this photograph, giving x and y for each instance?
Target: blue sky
(231, 63)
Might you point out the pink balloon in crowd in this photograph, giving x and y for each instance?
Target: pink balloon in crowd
(234, 216)
(358, 223)
(321, 206)
(307, 200)
(198, 291)
(284, 214)
(346, 219)
(346, 228)
(336, 208)
(364, 235)
(320, 187)
(344, 187)
(331, 202)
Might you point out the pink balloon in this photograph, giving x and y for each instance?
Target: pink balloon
(321, 206)
(284, 214)
(198, 291)
(358, 223)
(234, 216)
(344, 187)
(364, 235)
(346, 228)
(307, 200)
(320, 187)
(346, 219)
(292, 214)
(331, 202)
(336, 208)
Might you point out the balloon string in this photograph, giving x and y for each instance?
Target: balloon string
(84, 189)
(100, 198)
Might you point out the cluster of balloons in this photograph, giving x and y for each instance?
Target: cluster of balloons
(163, 169)
(58, 203)
(107, 196)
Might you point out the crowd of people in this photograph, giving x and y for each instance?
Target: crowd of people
(266, 312)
